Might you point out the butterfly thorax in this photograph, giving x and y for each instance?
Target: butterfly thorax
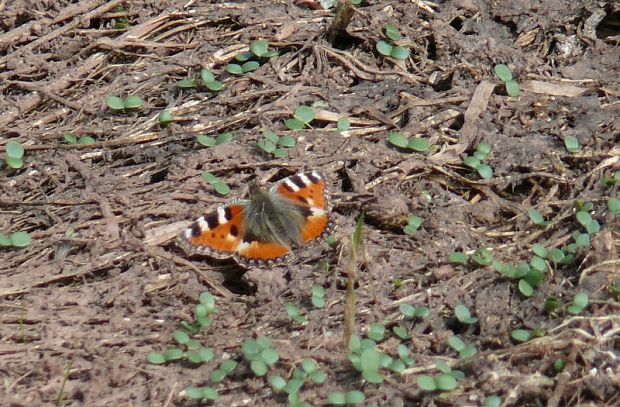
(269, 217)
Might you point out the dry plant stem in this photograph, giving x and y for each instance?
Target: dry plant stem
(349, 305)
(338, 27)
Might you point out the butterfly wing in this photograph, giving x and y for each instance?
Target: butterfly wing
(310, 192)
(217, 234)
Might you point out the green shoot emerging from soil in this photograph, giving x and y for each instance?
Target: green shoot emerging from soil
(389, 48)
(504, 74)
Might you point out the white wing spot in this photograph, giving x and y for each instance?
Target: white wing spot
(291, 185)
(317, 212)
(221, 216)
(305, 179)
(203, 223)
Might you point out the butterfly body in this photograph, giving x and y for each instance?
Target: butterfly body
(268, 226)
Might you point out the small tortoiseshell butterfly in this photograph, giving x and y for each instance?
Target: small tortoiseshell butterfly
(265, 228)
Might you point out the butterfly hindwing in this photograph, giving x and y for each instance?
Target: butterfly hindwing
(308, 189)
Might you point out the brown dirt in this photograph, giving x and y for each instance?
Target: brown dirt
(103, 284)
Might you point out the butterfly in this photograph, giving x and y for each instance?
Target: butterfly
(267, 227)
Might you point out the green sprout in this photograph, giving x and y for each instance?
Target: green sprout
(341, 399)
(465, 351)
(70, 138)
(397, 139)
(223, 370)
(572, 144)
(271, 143)
(201, 393)
(413, 223)
(613, 205)
(295, 314)
(475, 161)
(388, 48)
(410, 311)
(482, 257)
(129, 103)
(17, 239)
(558, 365)
(207, 79)
(258, 49)
(376, 331)
(220, 187)
(458, 258)
(493, 401)
(505, 75)
(343, 124)
(14, 154)
(260, 354)
(585, 219)
(551, 304)
(580, 302)
(318, 296)
(208, 141)
(530, 275)
(615, 288)
(611, 180)
(203, 313)
(445, 381)
(463, 315)
(521, 335)
(302, 116)
(536, 217)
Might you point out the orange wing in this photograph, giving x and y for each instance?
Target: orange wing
(217, 234)
(308, 189)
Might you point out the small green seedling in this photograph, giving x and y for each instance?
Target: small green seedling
(417, 144)
(220, 187)
(120, 23)
(537, 218)
(410, 311)
(558, 365)
(129, 103)
(258, 49)
(572, 144)
(413, 223)
(16, 239)
(463, 315)
(203, 313)
(521, 335)
(403, 354)
(376, 331)
(505, 75)
(615, 288)
(201, 393)
(458, 258)
(580, 302)
(482, 257)
(302, 116)
(551, 305)
(465, 351)
(207, 79)
(223, 370)
(260, 354)
(318, 296)
(474, 161)
(445, 381)
(295, 314)
(493, 401)
(585, 219)
(70, 138)
(349, 398)
(388, 48)
(208, 141)
(14, 154)
(343, 124)
(271, 143)
(613, 205)
(611, 180)
(165, 118)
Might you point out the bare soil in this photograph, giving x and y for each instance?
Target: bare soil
(103, 283)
